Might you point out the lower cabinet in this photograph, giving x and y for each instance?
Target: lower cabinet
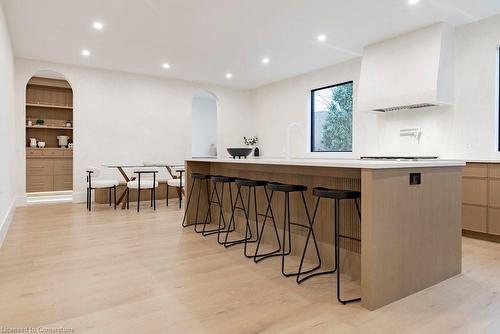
(49, 170)
(474, 218)
(481, 200)
(494, 221)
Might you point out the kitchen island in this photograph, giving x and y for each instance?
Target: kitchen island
(410, 227)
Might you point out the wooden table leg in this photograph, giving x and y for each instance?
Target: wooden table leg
(125, 176)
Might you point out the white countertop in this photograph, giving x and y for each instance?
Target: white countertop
(341, 163)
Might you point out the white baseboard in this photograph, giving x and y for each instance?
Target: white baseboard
(79, 197)
(6, 220)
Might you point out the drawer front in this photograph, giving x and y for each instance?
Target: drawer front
(474, 218)
(39, 184)
(494, 171)
(33, 152)
(39, 166)
(63, 182)
(494, 193)
(494, 221)
(68, 153)
(476, 170)
(53, 152)
(475, 191)
(63, 166)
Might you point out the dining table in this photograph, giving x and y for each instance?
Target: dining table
(172, 169)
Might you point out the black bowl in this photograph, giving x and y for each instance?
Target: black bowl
(240, 152)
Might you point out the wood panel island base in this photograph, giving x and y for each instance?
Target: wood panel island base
(410, 233)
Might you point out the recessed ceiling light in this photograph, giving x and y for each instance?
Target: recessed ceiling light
(97, 25)
(229, 75)
(266, 60)
(165, 65)
(413, 2)
(321, 38)
(85, 53)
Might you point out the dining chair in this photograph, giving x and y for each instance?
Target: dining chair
(93, 183)
(145, 180)
(177, 181)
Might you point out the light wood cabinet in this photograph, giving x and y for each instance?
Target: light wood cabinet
(475, 191)
(50, 102)
(49, 170)
(481, 201)
(474, 218)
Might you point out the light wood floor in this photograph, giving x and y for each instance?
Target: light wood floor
(124, 272)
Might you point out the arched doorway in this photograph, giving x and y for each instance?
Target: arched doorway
(49, 134)
(204, 125)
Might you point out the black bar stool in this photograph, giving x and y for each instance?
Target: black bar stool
(219, 201)
(197, 178)
(286, 189)
(337, 196)
(251, 186)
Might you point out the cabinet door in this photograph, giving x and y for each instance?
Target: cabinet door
(494, 193)
(494, 171)
(63, 166)
(475, 191)
(39, 167)
(476, 170)
(63, 182)
(39, 183)
(474, 218)
(494, 221)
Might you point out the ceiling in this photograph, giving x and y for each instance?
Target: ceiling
(203, 40)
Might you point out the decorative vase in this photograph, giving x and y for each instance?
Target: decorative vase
(256, 152)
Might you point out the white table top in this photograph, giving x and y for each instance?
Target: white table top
(341, 163)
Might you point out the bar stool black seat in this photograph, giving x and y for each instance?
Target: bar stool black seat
(252, 186)
(283, 251)
(337, 195)
(197, 178)
(217, 198)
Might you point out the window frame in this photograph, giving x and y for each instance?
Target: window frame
(312, 120)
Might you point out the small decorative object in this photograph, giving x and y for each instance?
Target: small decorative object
(30, 123)
(68, 123)
(32, 142)
(63, 141)
(70, 145)
(41, 144)
(252, 141)
(40, 122)
(239, 152)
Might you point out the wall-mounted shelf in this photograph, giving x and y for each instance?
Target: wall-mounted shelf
(49, 127)
(55, 106)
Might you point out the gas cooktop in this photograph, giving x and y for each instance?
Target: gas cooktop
(400, 158)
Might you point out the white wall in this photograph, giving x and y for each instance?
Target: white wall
(128, 118)
(204, 125)
(7, 137)
(468, 129)
(281, 103)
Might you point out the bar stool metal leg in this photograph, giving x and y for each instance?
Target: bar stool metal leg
(331, 271)
(337, 251)
(258, 257)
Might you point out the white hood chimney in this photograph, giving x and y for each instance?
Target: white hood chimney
(411, 71)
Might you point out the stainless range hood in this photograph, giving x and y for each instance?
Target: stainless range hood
(411, 71)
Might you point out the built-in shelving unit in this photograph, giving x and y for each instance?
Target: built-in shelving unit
(50, 102)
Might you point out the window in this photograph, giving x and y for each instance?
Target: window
(331, 118)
